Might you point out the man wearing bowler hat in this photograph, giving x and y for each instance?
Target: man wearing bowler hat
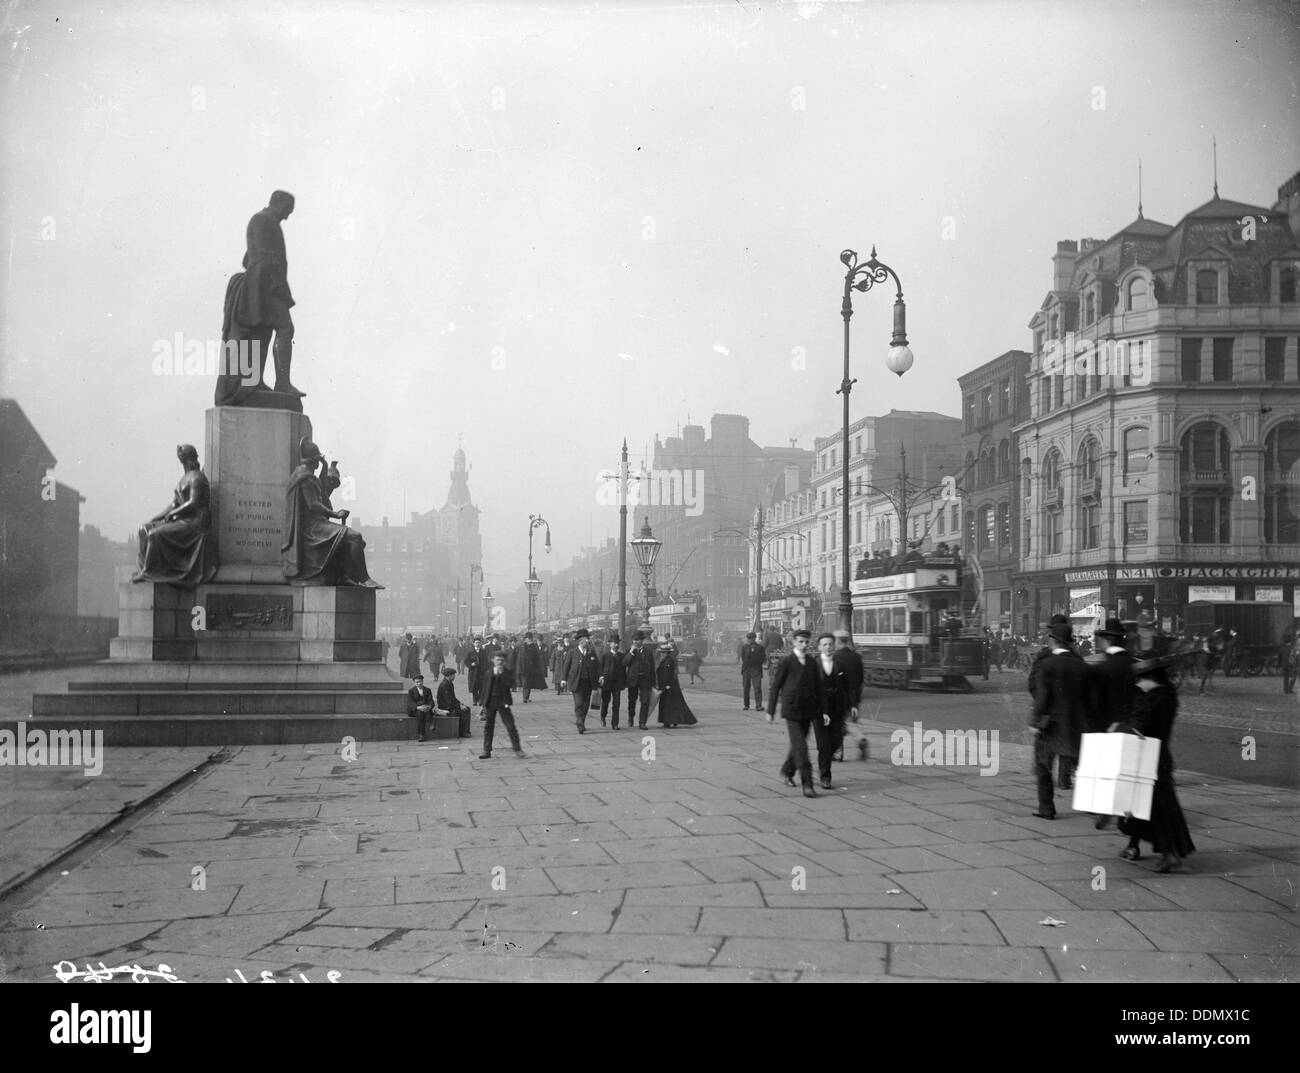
(581, 675)
(1110, 669)
(802, 695)
(640, 673)
(613, 678)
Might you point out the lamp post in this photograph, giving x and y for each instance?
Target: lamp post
(535, 520)
(474, 567)
(487, 610)
(899, 360)
(646, 549)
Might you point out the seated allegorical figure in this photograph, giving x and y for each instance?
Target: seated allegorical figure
(317, 551)
(177, 546)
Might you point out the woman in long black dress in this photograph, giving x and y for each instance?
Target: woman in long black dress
(673, 709)
(1154, 710)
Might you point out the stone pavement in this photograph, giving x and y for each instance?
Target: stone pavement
(610, 857)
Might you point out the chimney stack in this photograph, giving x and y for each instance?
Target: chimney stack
(1063, 264)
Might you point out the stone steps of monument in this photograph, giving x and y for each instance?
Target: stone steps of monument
(177, 730)
(378, 685)
(155, 703)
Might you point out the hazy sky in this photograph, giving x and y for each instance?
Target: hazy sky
(547, 227)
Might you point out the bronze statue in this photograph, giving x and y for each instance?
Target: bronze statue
(257, 304)
(176, 545)
(316, 551)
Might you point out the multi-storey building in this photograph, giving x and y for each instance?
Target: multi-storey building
(904, 453)
(425, 565)
(1160, 462)
(702, 493)
(995, 399)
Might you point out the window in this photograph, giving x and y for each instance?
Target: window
(1053, 524)
(986, 404)
(938, 528)
(1088, 460)
(953, 520)
(1222, 360)
(1089, 308)
(832, 458)
(986, 531)
(1052, 471)
(1024, 537)
(1004, 525)
(1274, 358)
(1207, 287)
(1045, 394)
(968, 410)
(1038, 342)
(1205, 501)
(1054, 326)
(1058, 391)
(1288, 285)
(1026, 476)
(1004, 390)
(1135, 524)
(1137, 294)
(1190, 361)
(1004, 460)
(1282, 485)
(1089, 524)
(1136, 451)
(969, 538)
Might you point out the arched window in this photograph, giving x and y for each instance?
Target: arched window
(1282, 484)
(1137, 442)
(1004, 525)
(985, 536)
(1088, 460)
(1137, 294)
(1205, 489)
(1004, 460)
(970, 467)
(1207, 287)
(1052, 471)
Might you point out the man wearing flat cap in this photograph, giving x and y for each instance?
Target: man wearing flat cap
(801, 691)
(753, 658)
(419, 705)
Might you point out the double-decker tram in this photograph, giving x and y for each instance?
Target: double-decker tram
(907, 629)
(686, 621)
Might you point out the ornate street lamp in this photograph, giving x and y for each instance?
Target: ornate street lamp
(535, 520)
(487, 610)
(646, 549)
(899, 360)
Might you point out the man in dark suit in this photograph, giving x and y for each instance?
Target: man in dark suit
(419, 704)
(1111, 672)
(613, 680)
(448, 703)
(847, 678)
(801, 690)
(497, 700)
(753, 658)
(639, 667)
(1062, 702)
(582, 677)
(529, 665)
(475, 664)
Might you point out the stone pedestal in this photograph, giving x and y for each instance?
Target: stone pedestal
(246, 658)
(248, 456)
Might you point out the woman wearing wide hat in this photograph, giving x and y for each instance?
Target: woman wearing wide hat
(1154, 709)
(673, 709)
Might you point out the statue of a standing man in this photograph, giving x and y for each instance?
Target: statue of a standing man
(266, 299)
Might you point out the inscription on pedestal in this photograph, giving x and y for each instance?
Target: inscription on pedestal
(256, 524)
(245, 611)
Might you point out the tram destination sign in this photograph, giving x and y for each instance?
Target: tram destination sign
(916, 579)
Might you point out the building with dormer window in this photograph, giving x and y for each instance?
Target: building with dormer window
(1160, 460)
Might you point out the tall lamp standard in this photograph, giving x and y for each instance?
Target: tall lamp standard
(646, 549)
(474, 567)
(533, 583)
(487, 610)
(899, 360)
